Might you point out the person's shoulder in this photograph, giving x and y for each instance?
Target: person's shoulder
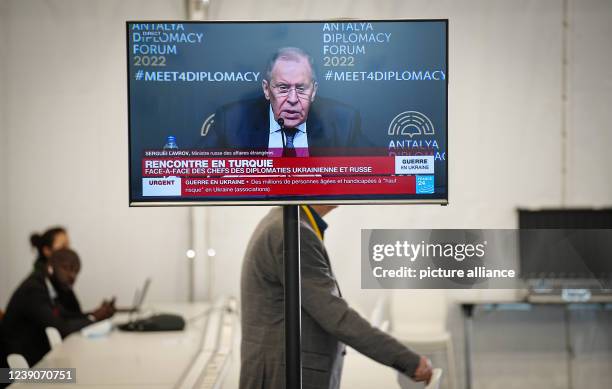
(272, 226)
(267, 237)
(308, 234)
(326, 106)
(272, 223)
(34, 283)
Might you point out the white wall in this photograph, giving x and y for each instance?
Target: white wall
(505, 117)
(3, 154)
(504, 123)
(65, 142)
(590, 99)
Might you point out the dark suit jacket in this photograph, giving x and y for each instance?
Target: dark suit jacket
(331, 127)
(66, 298)
(30, 310)
(327, 320)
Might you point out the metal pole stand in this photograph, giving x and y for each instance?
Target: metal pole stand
(293, 300)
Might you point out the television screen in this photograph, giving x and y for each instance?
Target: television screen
(288, 112)
(566, 244)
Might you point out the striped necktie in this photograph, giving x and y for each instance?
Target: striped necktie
(289, 149)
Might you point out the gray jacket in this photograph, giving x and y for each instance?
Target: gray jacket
(327, 320)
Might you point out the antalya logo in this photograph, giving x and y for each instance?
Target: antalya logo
(411, 123)
(208, 123)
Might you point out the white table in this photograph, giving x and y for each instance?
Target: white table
(469, 308)
(132, 359)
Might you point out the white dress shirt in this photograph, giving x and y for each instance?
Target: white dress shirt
(275, 140)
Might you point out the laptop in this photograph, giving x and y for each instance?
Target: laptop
(139, 298)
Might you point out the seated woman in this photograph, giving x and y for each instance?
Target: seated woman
(55, 238)
(46, 299)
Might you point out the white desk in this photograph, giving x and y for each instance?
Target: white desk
(133, 359)
(469, 308)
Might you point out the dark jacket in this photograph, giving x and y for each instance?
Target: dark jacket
(332, 128)
(30, 310)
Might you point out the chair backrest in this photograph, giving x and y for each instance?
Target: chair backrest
(1, 315)
(436, 378)
(17, 361)
(54, 337)
(418, 310)
(379, 312)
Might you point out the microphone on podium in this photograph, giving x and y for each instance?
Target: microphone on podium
(287, 136)
(281, 123)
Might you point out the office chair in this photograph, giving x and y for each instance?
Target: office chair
(17, 361)
(378, 317)
(54, 337)
(418, 319)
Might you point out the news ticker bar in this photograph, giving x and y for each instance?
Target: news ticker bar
(287, 185)
(300, 186)
(324, 166)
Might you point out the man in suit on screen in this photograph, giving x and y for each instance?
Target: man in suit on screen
(291, 120)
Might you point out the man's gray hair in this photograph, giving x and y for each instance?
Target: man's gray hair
(290, 54)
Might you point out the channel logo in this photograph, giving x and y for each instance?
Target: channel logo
(424, 184)
(411, 123)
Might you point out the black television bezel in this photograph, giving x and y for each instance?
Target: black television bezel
(550, 218)
(291, 200)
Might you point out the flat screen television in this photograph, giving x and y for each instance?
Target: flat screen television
(288, 112)
(566, 244)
